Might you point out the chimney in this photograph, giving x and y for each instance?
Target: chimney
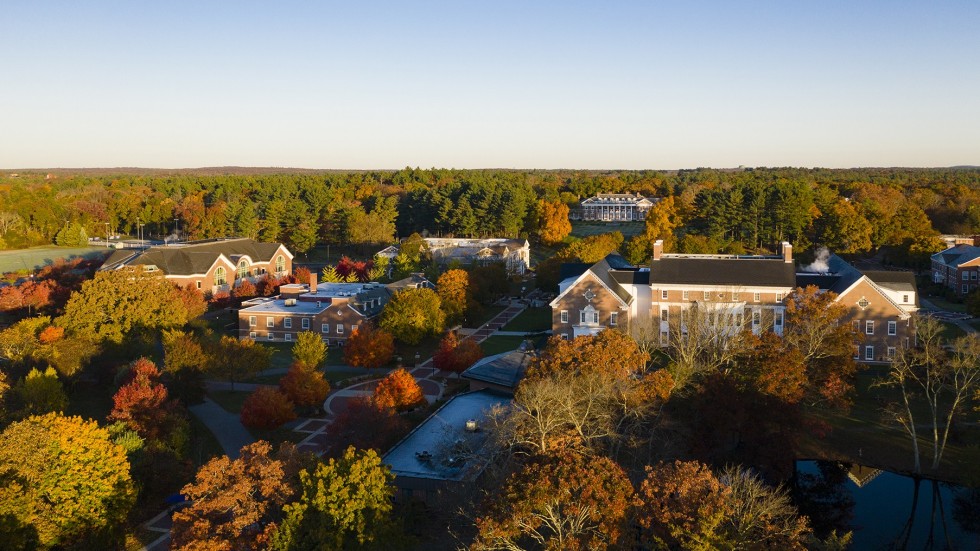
(787, 251)
(658, 249)
(312, 282)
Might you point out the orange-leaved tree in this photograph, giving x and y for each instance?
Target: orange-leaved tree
(398, 391)
(142, 402)
(267, 409)
(236, 504)
(305, 387)
(456, 294)
(456, 355)
(568, 501)
(369, 347)
(553, 223)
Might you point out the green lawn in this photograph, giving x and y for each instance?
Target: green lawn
(498, 344)
(532, 319)
(585, 229)
(947, 305)
(951, 331)
(29, 260)
(231, 401)
(486, 314)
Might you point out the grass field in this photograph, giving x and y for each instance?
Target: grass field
(498, 344)
(952, 331)
(585, 229)
(947, 305)
(29, 260)
(532, 319)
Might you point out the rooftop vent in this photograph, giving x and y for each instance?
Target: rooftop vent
(290, 302)
(471, 425)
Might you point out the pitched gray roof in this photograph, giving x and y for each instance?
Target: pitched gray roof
(957, 255)
(723, 270)
(839, 276)
(603, 269)
(506, 369)
(192, 258)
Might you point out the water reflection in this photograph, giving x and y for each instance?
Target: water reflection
(885, 510)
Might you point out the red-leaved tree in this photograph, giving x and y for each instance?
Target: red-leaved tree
(348, 428)
(267, 409)
(142, 402)
(456, 355)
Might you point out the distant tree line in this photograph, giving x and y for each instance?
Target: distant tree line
(851, 210)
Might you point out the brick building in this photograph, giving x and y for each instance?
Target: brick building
(957, 268)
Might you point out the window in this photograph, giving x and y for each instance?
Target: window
(756, 297)
(242, 269)
(857, 325)
(325, 328)
(613, 318)
(869, 353)
(686, 295)
(663, 314)
(305, 323)
(270, 322)
(287, 323)
(905, 299)
(280, 264)
(198, 283)
(272, 337)
(663, 294)
(893, 328)
(319, 304)
(581, 316)
(779, 297)
(857, 352)
(251, 335)
(219, 277)
(778, 321)
(353, 328)
(564, 336)
(973, 276)
(756, 318)
(289, 336)
(340, 329)
(252, 322)
(707, 295)
(863, 303)
(734, 295)
(564, 316)
(869, 327)
(891, 353)
(966, 276)
(595, 318)
(966, 288)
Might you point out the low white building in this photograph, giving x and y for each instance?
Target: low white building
(616, 207)
(514, 254)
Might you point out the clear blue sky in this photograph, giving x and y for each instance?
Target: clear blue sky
(470, 84)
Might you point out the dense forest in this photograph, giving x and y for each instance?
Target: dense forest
(854, 210)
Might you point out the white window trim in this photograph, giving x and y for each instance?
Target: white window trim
(340, 329)
(686, 295)
(251, 335)
(613, 319)
(271, 336)
(663, 294)
(325, 328)
(289, 337)
(869, 327)
(270, 321)
(893, 328)
(287, 323)
(563, 316)
(869, 353)
(891, 353)
(253, 321)
(305, 323)
(756, 297)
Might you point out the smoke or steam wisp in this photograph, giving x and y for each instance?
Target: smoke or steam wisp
(821, 264)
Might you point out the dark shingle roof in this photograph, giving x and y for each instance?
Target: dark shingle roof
(505, 369)
(753, 272)
(957, 255)
(895, 280)
(193, 258)
(602, 270)
(572, 270)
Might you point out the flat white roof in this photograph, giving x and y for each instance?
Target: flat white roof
(454, 453)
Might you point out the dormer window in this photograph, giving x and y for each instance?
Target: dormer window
(280, 264)
(242, 269)
(863, 303)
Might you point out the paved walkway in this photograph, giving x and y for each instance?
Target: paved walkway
(226, 427)
(956, 318)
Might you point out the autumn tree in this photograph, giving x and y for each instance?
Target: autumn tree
(593, 248)
(347, 429)
(456, 355)
(267, 409)
(553, 222)
(661, 221)
(702, 339)
(142, 403)
(237, 504)
(245, 289)
(369, 347)
(64, 478)
(455, 294)
(413, 314)
(566, 502)
(118, 302)
(937, 375)
(305, 387)
(309, 349)
(193, 300)
(610, 351)
(343, 503)
(185, 361)
(39, 393)
(398, 391)
(72, 235)
(236, 359)
(816, 325)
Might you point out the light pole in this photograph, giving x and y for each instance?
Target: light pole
(107, 235)
(141, 236)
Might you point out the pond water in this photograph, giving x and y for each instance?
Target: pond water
(887, 510)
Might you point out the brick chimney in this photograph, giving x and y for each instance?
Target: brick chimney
(787, 251)
(312, 282)
(658, 249)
